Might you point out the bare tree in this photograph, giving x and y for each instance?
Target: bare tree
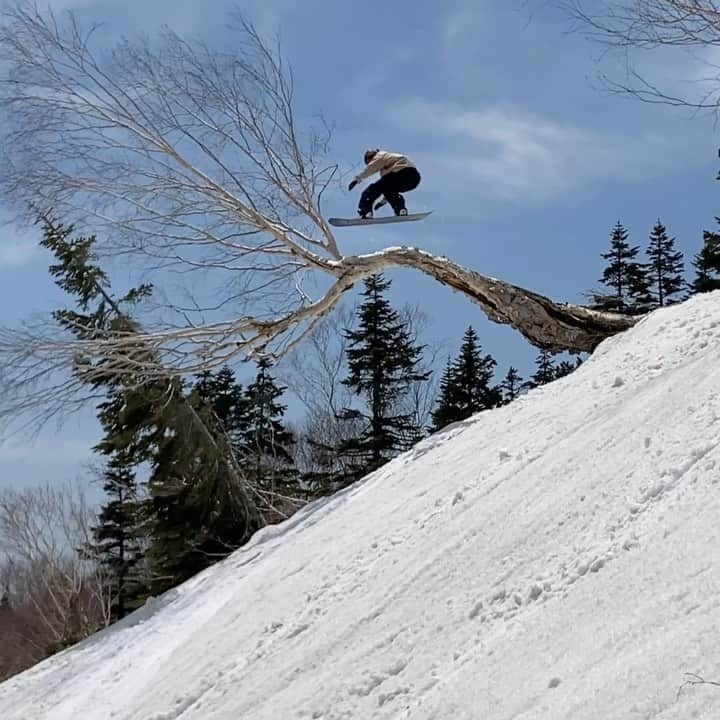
(627, 25)
(192, 159)
(58, 590)
(315, 376)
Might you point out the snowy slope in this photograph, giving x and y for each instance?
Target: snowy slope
(555, 558)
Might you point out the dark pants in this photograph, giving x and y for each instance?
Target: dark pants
(390, 185)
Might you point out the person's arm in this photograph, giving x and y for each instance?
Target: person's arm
(375, 165)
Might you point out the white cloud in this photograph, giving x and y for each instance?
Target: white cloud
(512, 154)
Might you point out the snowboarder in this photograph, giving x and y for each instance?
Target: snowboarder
(397, 175)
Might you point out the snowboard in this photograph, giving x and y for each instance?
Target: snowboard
(345, 222)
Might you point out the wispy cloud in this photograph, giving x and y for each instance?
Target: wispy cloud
(515, 155)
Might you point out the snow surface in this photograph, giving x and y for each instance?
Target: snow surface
(555, 558)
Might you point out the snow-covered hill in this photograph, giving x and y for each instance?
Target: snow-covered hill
(556, 558)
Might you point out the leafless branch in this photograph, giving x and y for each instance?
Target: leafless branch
(627, 25)
(58, 594)
(180, 157)
(694, 679)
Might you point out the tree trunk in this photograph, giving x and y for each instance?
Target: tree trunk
(548, 325)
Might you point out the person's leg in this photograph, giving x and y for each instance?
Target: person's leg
(369, 195)
(397, 183)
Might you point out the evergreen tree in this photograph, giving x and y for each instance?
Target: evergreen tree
(665, 267)
(227, 400)
(382, 366)
(707, 264)
(267, 443)
(196, 508)
(511, 386)
(625, 276)
(565, 367)
(444, 412)
(119, 535)
(468, 386)
(544, 372)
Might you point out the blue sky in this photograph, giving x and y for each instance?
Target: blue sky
(526, 163)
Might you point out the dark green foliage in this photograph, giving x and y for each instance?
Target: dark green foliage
(625, 276)
(707, 264)
(466, 386)
(382, 362)
(544, 370)
(197, 507)
(226, 399)
(444, 412)
(511, 386)
(267, 443)
(665, 268)
(119, 535)
(77, 274)
(565, 367)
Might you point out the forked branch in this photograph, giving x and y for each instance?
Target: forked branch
(183, 158)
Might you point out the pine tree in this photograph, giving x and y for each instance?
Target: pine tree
(707, 264)
(195, 512)
(665, 267)
(625, 276)
(444, 412)
(118, 537)
(545, 370)
(226, 399)
(468, 387)
(382, 363)
(511, 386)
(565, 367)
(195, 506)
(267, 443)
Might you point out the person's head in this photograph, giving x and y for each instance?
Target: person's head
(369, 155)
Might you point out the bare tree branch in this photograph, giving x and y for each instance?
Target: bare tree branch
(59, 594)
(694, 679)
(190, 159)
(627, 25)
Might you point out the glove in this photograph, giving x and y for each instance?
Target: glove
(352, 184)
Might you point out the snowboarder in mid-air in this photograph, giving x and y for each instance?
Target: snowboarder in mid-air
(397, 175)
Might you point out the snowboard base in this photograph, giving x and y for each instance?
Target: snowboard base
(345, 222)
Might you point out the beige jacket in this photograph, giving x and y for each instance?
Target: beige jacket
(384, 162)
